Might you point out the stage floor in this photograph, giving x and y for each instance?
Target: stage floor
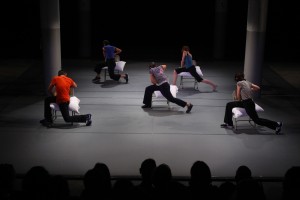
(123, 134)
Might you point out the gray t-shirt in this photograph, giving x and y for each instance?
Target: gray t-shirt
(158, 73)
(246, 92)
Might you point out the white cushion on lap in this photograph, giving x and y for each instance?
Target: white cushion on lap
(73, 106)
(188, 74)
(241, 112)
(173, 89)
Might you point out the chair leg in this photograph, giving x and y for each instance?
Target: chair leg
(73, 114)
(54, 115)
(196, 85)
(251, 122)
(105, 74)
(235, 123)
(181, 82)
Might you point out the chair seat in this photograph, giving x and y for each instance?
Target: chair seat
(73, 107)
(187, 75)
(240, 114)
(118, 68)
(157, 95)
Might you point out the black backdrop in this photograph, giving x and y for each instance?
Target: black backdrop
(150, 29)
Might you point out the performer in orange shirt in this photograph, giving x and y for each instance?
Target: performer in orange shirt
(62, 85)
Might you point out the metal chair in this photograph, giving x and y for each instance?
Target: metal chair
(158, 97)
(186, 76)
(240, 114)
(73, 106)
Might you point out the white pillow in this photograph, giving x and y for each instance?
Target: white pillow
(173, 89)
(187, 74)
(241, 112)
(120, 65)
(73, 106)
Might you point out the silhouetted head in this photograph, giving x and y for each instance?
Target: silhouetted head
(162, 175)
(185, 48)
(7, 177)
(62, 72)
(105, 42)
(243, 172)
(239, 76)
(200, 173)
(36, 180)
(147, 168)
(291, 183)
(153, 64)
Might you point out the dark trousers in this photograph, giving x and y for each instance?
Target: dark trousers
(111, 64)
(98, 68)
(249, 106)
(165, 91)
(64, 109)
(191, 70)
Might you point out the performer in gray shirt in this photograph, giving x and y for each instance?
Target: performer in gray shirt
(160, 82)
(244, 91)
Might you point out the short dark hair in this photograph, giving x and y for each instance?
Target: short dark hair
(61, 72)
(185, 48)
(239, 76)
(105, 42)
(153, 64)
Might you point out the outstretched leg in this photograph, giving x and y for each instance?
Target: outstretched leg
(194, 73)
(214, 86)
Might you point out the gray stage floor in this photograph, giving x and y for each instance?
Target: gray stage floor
(123, 135)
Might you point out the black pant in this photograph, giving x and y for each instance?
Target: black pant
(192, 70)
(165, 91)
(111, 64)
(64, 109)
(249, 106)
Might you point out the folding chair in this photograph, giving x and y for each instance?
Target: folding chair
(158, 97)
(240, 114)
(188, 77)
(118, 68)
(73, 106)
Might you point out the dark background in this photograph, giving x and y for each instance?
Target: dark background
(150, 29)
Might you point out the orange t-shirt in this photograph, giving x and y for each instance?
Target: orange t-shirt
(62, 87)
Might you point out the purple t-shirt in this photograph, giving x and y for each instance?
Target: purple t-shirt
(158, 73)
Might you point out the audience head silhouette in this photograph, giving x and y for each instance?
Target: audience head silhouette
(36, 182)
(243, 172)
(7, 179)
(147, 168)
(291, 184)
(162, 175)
(200, 173)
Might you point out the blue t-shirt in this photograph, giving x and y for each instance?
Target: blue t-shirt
(188, 61)
(158, 73)
(109, 52)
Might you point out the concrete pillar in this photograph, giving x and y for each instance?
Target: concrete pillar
(255, 41)
(84, 7)
(50, 25)
(220, 29)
